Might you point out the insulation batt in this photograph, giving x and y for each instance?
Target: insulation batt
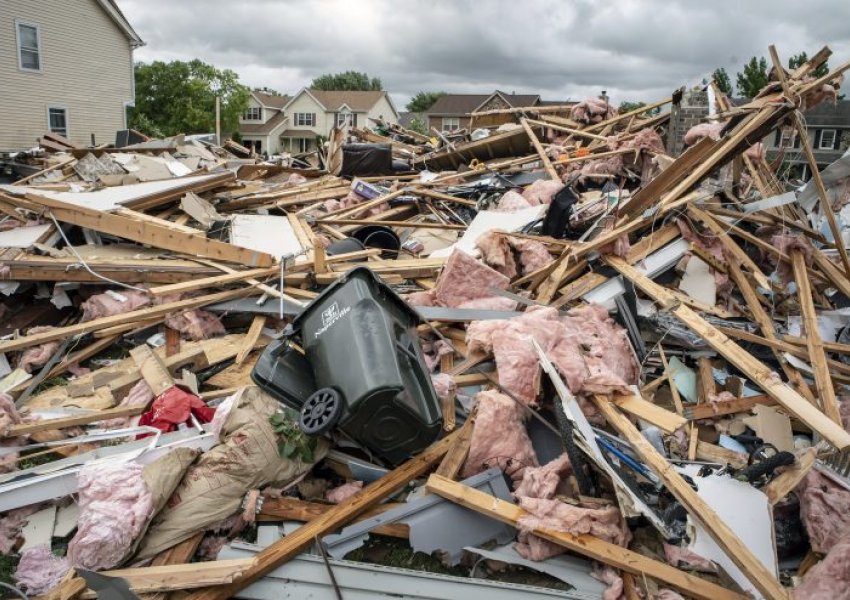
(612, 579)
(665, 594)
(444, 385)
(824, 510)
(785, 242)
(36, 357)
(39, 570)
(105, 305)
(830, 578)
(542, 191)
(343, 492)
(547, 481)
(8, 414)
(139, 395)
(497, 250)
(11, 525)
(511, 201)
(115, 504)
(499, 438)
(592, 110)
(604, 523)
(683, 558)
(195, 324)
(703, 130)
(590, 350)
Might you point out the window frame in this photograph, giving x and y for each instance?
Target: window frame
(455, 120)
(246, 115)
(64, 109)
(831, 145)
(297, 117)
(18, 24)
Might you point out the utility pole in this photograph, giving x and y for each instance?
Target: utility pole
(217, 120)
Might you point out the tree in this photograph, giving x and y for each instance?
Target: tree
(753, 78)
(179, 97)
(629, 106)
(350, 80)
(418, 125)
(422, 101)
(798, 60)
(721, 78)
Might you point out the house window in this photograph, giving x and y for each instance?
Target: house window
(254, 113)
(827, 139)
(451, 123)
(346, 119)
(305, 119)
(29, 47)
(57, 120)
(787, 138)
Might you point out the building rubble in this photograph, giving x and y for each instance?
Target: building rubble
(618, 370)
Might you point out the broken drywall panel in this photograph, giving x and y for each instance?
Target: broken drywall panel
(684, 378)
(772, 426)
(435, 524)
(698, 281)
(746, 511)
(772, 202)
(490, 220)
(66, 520)
(13, 379)
(262, 233)
(22, 237)
(5, 368)
(39, 528)
(200, 210)
(830, 324)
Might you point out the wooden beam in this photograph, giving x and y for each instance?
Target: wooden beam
(293, 509)
(75, 420)
(254, 332)
(171, 578)
(814, 343)
(585, 545)
(283, 550)
(784, 483)
(216, 280)
(753, 368)
(662, 418)
(541, 152)
(699, 510)
(453, 461)
(697, 412)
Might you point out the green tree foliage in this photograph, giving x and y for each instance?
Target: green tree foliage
(753, 78)
(422, 101)
(349, 80)
(418, 125)
(798, 60)
(629, 106)
(179, 97)
(721, 78)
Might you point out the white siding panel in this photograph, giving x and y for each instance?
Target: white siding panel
(86, 67)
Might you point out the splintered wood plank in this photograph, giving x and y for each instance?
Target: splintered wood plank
(697, 508)
(293, 509)
(453, 461)
(251, 338)
(585, 545)
(753, 368)
(784, 483)
(283, 550)
(664, 419)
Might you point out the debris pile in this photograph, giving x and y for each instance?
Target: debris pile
(543, 347)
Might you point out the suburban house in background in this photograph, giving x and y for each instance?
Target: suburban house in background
(452, 111)
(828, 129)
(275, 124)
(263, 122)
(65, 68)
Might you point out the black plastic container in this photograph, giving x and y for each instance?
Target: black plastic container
(362, 369)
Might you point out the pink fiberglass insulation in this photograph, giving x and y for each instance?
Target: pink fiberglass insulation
(37, 356)
(682, 558)
(139, 395)
(755, 152)
(604, 523)
(434, 351)
(592, 110)
(611, 165)
(665, 594)
(8, 414)
(464, 278)
(499, 438)
(489, 303)
(496, 252)
(11, 525)
(611, 578)
(115, 504)
(590, 350)
(512, 201)
(9, 461)
(533, 255)
(546, 481)
(830, 578)
(39, 570)
(824, 510)
(425, 298)
(195, 324)
(107, 305)
(343, 492)
(703, 130)
(716, 399)
(786, 242)
(542, 191)
(445, 386)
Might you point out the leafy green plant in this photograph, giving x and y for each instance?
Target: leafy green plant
(292, 442)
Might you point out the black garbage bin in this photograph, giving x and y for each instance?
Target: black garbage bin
(362, 369)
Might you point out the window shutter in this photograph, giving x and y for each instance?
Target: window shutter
(818, 133)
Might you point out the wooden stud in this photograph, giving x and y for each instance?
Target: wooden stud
(541, 152)
(251, 338)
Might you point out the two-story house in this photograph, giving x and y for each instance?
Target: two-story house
(452, 111)
(263, 122)
(312, 114)
(828, 130)
(66, 68)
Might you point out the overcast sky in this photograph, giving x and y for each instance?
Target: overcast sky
(561, 49)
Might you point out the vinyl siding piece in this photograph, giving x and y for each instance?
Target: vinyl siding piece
(86, 68)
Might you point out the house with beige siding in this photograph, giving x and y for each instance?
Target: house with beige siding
(311, 114)
(66, 66)
(262, 123)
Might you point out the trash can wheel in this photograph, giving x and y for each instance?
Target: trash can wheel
(321, 411)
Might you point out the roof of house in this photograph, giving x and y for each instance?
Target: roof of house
(111, 8)
(357, 101)
(298, 133)
(463, 104)
(828, 114)
(263, 128)
(271, 100)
